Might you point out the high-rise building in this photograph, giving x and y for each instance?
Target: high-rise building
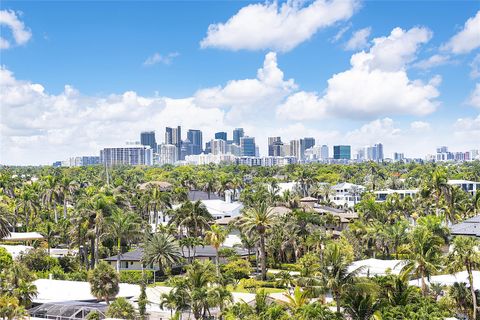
(221, 135)
(129, 155)
(247, 144)
(167, 154)
(342, 152)
(218, 146)
(208, 147)
(237, 134)
(174, 136)
(196, 140)
(324, 152)
(379, 152)
(397, 156)
(275, 147)
(305, 143)
(147, 138)
(295, 149)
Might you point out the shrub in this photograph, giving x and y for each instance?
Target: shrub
(38, 260)
(68, 263)
(135, 276)
(80, 275)
(5, 259)
(121, 309)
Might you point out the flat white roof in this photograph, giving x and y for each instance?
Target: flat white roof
(63, 290)
(450, 279)
(23, 236)
(460, 181)
(220, 207)
(15, 251)
(373, 267)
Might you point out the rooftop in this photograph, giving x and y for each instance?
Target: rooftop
(469, 227)
(23, 236)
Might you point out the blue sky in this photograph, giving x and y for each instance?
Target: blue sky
(131, 66)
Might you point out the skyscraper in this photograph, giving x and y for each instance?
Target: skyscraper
(275, 146)
(295, 149)
(218, 146)
(248, 146)
(221, 135)
(196, 140)
(324, 152)
(147, 138)
(379, 152)
(237, 134)
(129, 155)
(174, 136)
(342, 152)
(305, 143)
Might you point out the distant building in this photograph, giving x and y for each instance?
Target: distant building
(174, 136)
(218, 146)
(221, 135)
(234, 149)
(196, 141)
(128, 155)
(167, 154)
(237, 134)
(295, 149)
(342, 152)
(247, 144)
(346, 194)
(275, 147)
(397, 156)
(306, 143)
(324, 152)
(147, 138)
(208, 147)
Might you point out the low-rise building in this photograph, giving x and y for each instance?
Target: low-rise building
(346, 194)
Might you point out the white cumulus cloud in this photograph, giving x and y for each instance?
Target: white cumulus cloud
(467, 39)
(277, 27)
(20, 33)
(420, 125)
(376, 84)
(359, 39)
(433, 61)
(249, 97)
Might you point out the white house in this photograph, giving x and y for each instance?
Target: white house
(382, 195)
(346, 194)
(468, 186)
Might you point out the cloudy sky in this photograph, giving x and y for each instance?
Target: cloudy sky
(78, 76)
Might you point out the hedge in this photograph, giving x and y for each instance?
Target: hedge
(135, 276)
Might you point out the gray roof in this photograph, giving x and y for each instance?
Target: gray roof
(195, 195)
(469, 227)
(200, 252)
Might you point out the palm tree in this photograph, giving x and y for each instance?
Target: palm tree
(121, 309)
(28, 203)
(297, 300)
(423, 254)
(334, 270)
(66, 189)
(258, 220)
(4, 223)
(438, 186)
(169, 301)
(162, 249)
(465, 255)
(216, 237)
(194, 217)
(209, 183)
(25, 292)
(103, 282)
(123, 226)
(361, 302)
(50, 195)
(221, 297)
(10, 308)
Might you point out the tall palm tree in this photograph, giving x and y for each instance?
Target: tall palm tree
(66, 189)
(438, 186)
(334, 270)
(465, 255)
(423, 254)
(209, 183)
(4, 221)
(258, 220)
(28, 203)
(216, 237)
(162, 249)
(123, 226)
(103, 282)
(194, 217)
(50, 195)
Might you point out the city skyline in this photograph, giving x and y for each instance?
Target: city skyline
(359, 73)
